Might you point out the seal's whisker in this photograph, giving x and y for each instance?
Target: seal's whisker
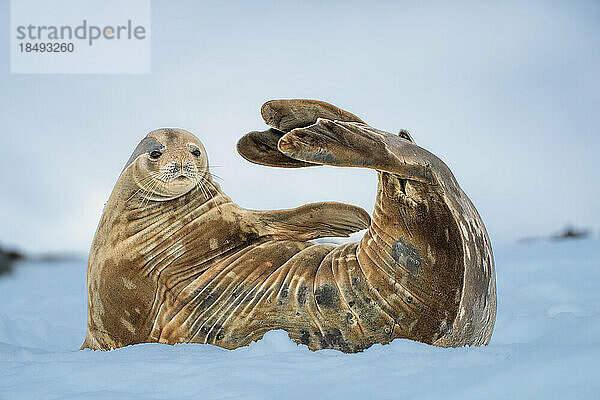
(162, 185)
(133, 195)
(146, 179)
(215, 176)
(143, 182)
(206, 191)
(212, 185)
(152, 187)
(202, 188)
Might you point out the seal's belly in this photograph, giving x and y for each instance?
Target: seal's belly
(267, 285)
(318, 293)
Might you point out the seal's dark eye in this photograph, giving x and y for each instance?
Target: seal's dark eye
(196, 153)
(155, 154)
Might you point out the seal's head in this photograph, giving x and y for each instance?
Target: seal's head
(167, 164)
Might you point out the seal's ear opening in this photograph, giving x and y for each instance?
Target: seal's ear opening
(261, 148)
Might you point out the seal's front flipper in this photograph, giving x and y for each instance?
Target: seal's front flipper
(355, 144)
(261, 148)
(314, 221)
(285, 115)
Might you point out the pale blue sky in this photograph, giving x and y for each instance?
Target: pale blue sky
(506, 94)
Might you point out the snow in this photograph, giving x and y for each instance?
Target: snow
(546, 345)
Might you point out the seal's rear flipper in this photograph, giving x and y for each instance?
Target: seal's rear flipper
(314, 221)
(355, 144)
(285, 115)
(261, 148)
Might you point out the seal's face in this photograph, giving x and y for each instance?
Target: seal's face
(168, 163)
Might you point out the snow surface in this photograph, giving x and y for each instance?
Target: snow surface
(546, 345)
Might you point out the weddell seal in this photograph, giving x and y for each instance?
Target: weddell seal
(174, 260)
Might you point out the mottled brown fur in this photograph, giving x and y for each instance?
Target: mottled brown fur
(176, 262)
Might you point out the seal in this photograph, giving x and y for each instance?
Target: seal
(175, 260)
